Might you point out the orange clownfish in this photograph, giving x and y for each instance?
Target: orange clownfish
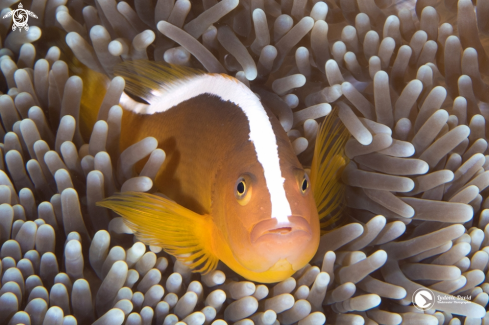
(234, 189)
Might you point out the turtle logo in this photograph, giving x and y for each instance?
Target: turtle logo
(20, 17)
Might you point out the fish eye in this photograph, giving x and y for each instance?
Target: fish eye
(241, 187)
(242, 190)
(305, 184)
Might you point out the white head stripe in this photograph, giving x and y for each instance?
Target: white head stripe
(261, 132)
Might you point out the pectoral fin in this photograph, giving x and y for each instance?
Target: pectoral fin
(327, 165)
(161, 222)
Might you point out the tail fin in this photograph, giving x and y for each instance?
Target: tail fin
(95, 84)
(327, 165)
(95, 87)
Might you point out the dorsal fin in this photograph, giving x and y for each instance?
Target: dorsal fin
(149, 79)
(327, 165)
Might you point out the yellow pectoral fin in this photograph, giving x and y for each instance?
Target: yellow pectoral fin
(161, 222)
(327, 165)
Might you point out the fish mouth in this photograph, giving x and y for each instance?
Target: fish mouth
(296, 225)
(281, 230)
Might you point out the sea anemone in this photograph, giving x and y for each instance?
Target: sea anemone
(409, 83)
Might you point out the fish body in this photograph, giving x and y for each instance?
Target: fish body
(235, 190)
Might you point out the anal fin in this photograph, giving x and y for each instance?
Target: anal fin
(327, 164)
(161, 222)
